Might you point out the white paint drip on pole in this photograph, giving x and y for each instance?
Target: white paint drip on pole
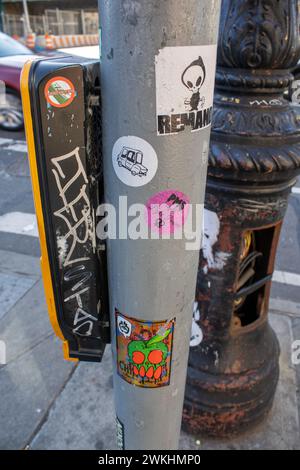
(19, 223)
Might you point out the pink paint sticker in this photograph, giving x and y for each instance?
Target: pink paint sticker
(167, 211)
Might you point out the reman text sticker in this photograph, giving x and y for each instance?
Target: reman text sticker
(185, 79)
(167, 211)
(59, 92)
(134, 161)
(144, 351)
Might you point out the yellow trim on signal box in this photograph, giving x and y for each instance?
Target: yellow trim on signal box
(45, 265)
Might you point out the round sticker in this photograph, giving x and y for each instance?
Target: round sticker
(134, 161)
(59, 92)
(167, 211)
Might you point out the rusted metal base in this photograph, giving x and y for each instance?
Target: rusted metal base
(230, 402)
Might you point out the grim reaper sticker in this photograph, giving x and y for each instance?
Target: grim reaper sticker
(193, 78)
(184, 88)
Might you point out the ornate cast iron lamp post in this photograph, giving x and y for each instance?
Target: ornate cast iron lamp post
(253, 164)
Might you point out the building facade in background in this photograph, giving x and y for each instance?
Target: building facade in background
(56, 17)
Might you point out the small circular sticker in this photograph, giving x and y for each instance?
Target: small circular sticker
(59, 92)
(167, 211)
(134, 161)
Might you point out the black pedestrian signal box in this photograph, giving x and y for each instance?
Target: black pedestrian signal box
(61, 103)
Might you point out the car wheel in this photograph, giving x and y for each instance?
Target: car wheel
(11, 113)
(133, 173)
(120, 164)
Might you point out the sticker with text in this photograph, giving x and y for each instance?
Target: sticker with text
(134, 160)
(120, 435)
(144, 351)
(167, 211)
(185, 78)
(59, 92)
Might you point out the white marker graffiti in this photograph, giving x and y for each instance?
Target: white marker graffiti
(83, 321)
(211, 230)
(196, 334)
(272, 102)
(76, 213)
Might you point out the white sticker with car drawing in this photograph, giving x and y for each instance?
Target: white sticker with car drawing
(134, 161)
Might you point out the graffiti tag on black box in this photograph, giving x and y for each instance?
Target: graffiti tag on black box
(74, 192)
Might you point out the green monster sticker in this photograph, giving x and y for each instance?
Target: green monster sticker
(144, 351)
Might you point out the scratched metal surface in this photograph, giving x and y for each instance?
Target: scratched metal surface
(151, 280)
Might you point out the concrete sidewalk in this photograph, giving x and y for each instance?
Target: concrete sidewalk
(48, 403)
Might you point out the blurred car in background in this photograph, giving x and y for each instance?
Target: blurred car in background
(13, 56)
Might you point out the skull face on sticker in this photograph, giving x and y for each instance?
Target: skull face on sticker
(149, 357)
(144, 358)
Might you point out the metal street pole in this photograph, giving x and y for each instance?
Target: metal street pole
(1, 15)
(26, 18)
(157, 79)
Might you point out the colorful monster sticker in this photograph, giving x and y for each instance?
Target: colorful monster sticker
(144, 351)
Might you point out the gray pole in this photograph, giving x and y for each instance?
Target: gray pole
(26, 18)
(157, 74)
(1, 15)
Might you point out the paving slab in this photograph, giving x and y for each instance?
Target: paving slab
(83, 415)
(12, 288)
(288, 255)
(26, 324)
(21, 244)
(18, 263)
(285, 292)
(29, 385)
(287, 306)
(15, 194)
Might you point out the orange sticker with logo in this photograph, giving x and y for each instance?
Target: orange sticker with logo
(144, 351)
(59, 92)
